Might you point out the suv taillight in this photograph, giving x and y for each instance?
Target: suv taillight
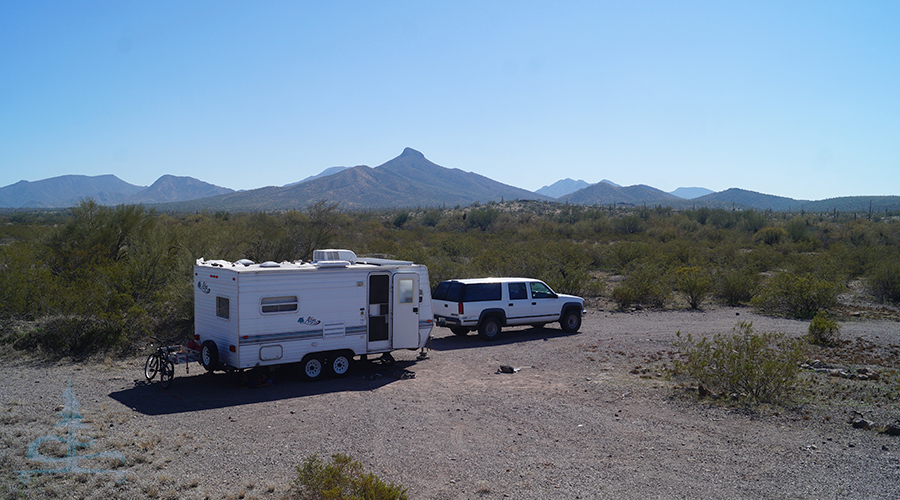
(460, 307)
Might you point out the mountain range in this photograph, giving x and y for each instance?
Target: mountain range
(407, 181)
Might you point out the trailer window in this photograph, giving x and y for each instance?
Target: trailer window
(405, 290)
(279, 304)
(223, 307)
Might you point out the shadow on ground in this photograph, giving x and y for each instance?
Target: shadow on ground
(199, 390)
(512, 335)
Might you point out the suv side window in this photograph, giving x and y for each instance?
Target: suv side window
(517, 291)
(541, 291)
(480, 292)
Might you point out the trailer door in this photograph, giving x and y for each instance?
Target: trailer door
(406, 310)
(379, 338)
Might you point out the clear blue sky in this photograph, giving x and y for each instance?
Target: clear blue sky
(797, 99)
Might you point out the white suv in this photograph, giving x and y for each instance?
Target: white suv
(489, 304)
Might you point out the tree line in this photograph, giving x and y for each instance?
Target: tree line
(99, 279)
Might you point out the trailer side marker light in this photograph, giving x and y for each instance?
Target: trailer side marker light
(232, 348)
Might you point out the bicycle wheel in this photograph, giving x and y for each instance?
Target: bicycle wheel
(151, 366)
(166, 374)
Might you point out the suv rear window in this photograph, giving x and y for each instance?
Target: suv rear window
(449, 291)
(454, 291)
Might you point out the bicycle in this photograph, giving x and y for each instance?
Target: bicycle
(160, 361)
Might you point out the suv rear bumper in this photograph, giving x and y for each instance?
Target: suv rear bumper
(447, 321)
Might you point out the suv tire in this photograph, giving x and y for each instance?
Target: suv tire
(490, 328)
(570, 321)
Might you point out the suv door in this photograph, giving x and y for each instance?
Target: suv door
(519, 309)
(544, 302)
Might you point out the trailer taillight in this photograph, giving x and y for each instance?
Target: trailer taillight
(460, 307)
(197, 337)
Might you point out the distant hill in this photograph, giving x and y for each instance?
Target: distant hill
(66, 191)
(741, 198)
(325, 173)
(689, 193)
(611, 183)
(604, 193)
(171, 188)
(409, 180)
(562, 187)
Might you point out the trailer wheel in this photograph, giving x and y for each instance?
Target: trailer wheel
(209, 355)
(489, 329)
(571, 321)
(312, 367)
(459, 330)
(339, 365)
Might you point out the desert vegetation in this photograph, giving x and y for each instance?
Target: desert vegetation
(99, 279)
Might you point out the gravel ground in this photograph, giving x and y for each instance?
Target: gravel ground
(587, 415)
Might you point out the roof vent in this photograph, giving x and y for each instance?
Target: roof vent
(332, 255)
(269, 263)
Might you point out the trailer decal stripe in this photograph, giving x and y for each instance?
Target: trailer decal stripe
(288, 336)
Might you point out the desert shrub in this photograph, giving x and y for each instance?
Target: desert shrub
(771, 235)
(647, 283)
(482, 218)
(342, 479)
(735, 286)
(694, 282)
(824, 330)
(751, 366)
(623, 295)
(884, 281)
(77, 337)
(800, 296)
(400, 219)
(431, 217)
(629, 224)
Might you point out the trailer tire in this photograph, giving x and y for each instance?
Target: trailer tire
(209, 355)
(490, 327)
(459, 330)
(339, 364)
(312, 367)
(570, 321)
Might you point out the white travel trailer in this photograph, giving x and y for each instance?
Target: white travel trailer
(321, 313)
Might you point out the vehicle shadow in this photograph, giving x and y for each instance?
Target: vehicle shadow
(205, 391)
(443, 340)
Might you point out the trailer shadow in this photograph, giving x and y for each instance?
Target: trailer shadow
(200, 391)
(511, 335)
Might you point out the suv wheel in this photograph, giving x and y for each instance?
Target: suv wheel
(489, 329)
(571, 321)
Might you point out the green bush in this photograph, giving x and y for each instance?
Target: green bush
(800, 296)
(749, 366)
(623, 295)
(884, 281)
(694, 283)
(824, 330)
(735, 286)
(647, 283)
(342, 479)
